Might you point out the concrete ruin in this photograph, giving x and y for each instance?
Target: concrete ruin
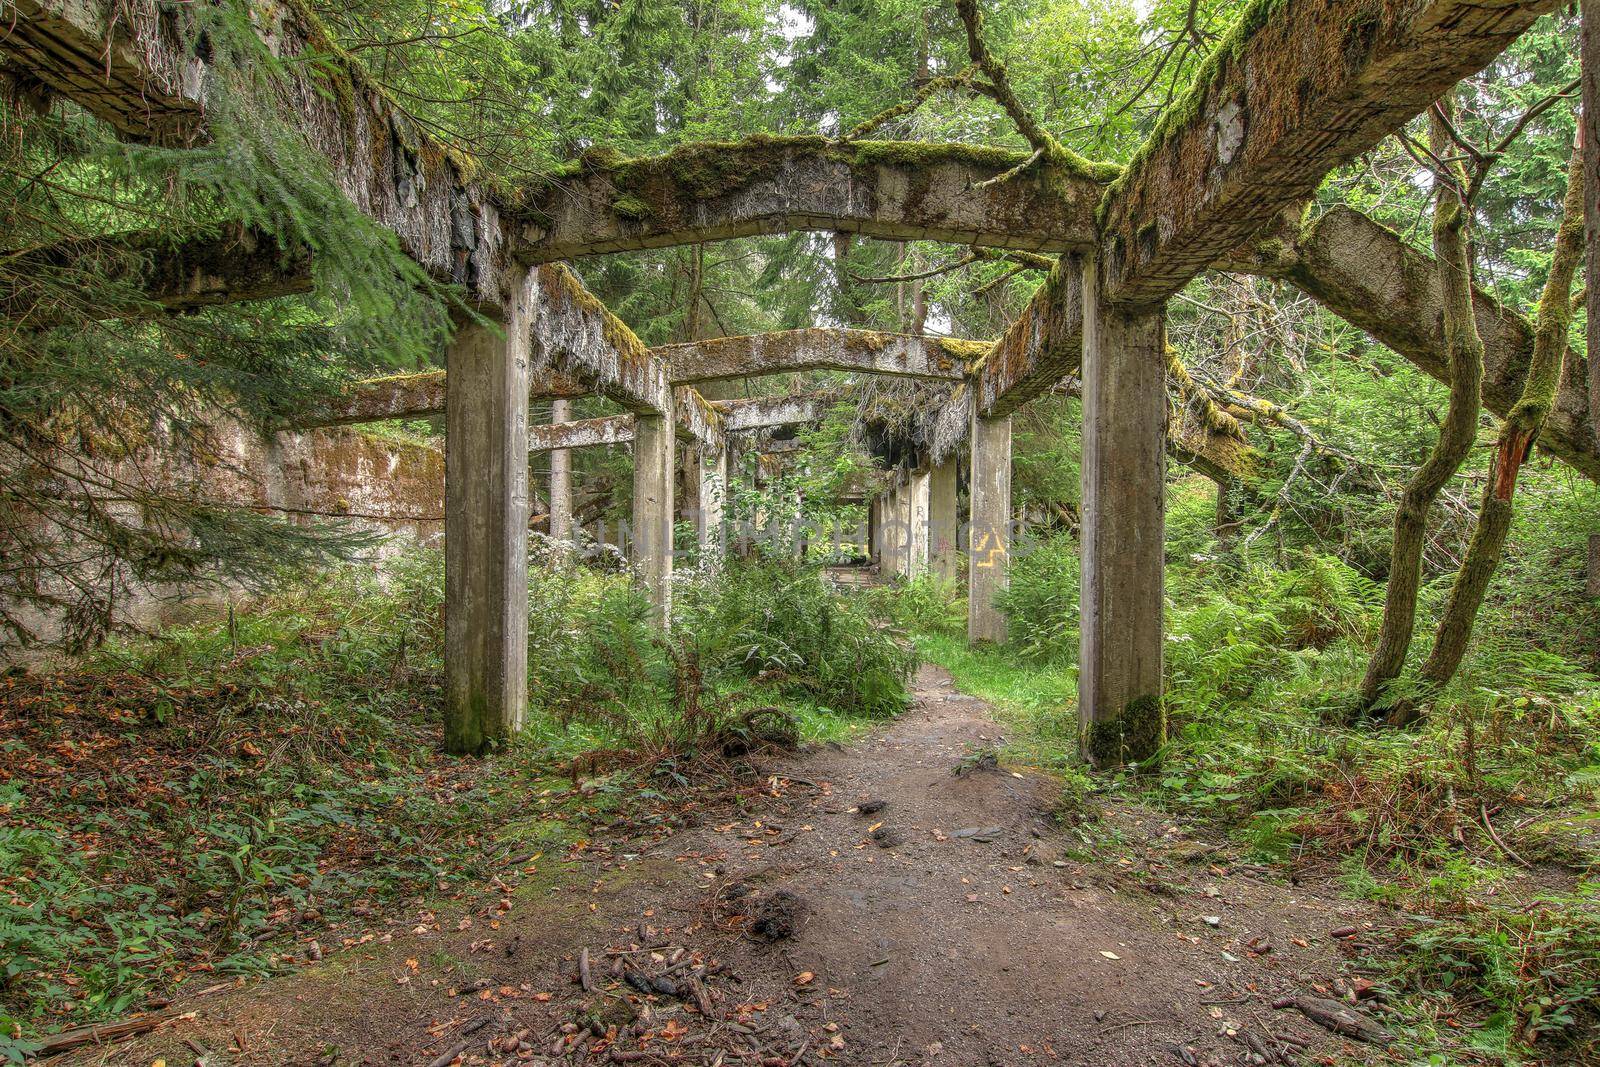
(1292, 92)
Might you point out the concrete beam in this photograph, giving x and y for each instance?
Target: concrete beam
(1043, 346)
(989, 531)
(141, 75)
(558, 437)
(790, 351)
(764, 184)
(764, 412)
(144, 274)
(1293, 91)
(1123, 535)
(419, 395)
(576, 334)
(133, 73)
(1370, 277)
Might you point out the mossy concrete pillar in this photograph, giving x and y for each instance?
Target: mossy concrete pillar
(916, 508)
(989, 532)
(486, 534)
(654, 455)
(560, 528)
(1124, 530)
(710, 515)
(943, 527)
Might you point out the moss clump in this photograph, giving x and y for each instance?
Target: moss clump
(1135, 736)
(968, 352)
(631, 208)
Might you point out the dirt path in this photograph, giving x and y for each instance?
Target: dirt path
(959, 925)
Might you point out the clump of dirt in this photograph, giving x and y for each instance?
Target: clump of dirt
(777, 916)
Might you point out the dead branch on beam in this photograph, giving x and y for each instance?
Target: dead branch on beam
(962, 80)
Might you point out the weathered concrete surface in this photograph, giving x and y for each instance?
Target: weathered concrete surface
(1297, 89)
(133, 72)
(764, 412)
(558, 437)
(1370, 277)
(559, 527)
(710, 516)
(654, 478)
(698, 418)
(1123, 533)
(382, 486)
(943, 524)
(156, 274)
(916, 512)
(989, 531)
(767, 184)
(486, 534)
(572, 332)
(414, 396)
(1043, 346)
(150, 86)
(788, 351)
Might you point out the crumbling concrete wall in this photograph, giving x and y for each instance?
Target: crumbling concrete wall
(389, 488)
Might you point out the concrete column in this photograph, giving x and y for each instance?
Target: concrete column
(989, 532)
(486, 534)
(560, 478)
(1124, 531)
(894, 533)
(917, 498)
(654, 455)
(710, 527)
(943, 528)
(875, 530)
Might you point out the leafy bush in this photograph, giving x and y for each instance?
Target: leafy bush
(1041, 602)
(778, 622)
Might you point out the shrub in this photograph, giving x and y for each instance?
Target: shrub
(778, 621)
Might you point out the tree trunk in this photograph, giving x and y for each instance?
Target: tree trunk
(1517, 435)
(1464, 353)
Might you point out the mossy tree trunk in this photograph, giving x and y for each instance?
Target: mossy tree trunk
(1464, 353)
(1517, 435)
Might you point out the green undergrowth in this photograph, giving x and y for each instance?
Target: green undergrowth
(201, 804)
(1479, 829)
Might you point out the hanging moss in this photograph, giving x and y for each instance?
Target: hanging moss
(1135, 736)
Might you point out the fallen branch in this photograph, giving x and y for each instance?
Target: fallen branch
(104, 1032)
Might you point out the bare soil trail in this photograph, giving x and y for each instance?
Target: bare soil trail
(959, 924)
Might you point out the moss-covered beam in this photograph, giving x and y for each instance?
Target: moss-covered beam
(1043, 346)
(1294, 90)
(138, 66)
(419, 395)
(575, 333)
(149, 274)
(759, 413)
(788, 351)
(1370, 277)
(134, 72)
(720, 416)
(888, 189)
(582, 433)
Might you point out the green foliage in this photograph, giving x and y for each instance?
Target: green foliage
(778, 622)
(1041, 603)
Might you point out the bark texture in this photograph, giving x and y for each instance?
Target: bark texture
(1464, 350)
(1517, 435)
